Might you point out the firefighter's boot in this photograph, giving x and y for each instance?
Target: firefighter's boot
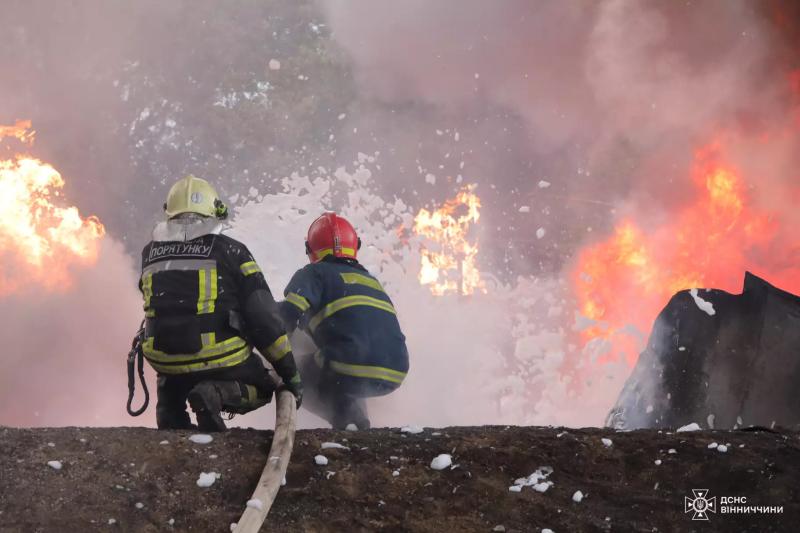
(350, 410)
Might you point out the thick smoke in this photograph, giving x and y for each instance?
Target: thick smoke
(606, 101)
(624, 93)
(64, 350)
(625, 89)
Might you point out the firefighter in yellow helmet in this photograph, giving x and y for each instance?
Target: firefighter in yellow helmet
(207, 305)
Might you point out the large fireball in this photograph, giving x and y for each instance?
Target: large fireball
(41, 239)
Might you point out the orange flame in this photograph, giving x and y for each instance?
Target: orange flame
(21, 131)
(448, 262)
(628, 279)
(39, 241)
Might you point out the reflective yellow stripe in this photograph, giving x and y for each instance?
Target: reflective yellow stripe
(329, 251)
(210, 349)
(180, 265)
(206, 300)
(298, 301)
(213, 300)
(147, 291)
(252, 394)
(249, 268)
(279, 349)
(229, 360)
(349, 301)
(202, 292)
(229, 352)
(206, 281)
(365, 371)
(352, 278)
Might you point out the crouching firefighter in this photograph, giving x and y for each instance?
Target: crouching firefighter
(361, 349)
(207, 305)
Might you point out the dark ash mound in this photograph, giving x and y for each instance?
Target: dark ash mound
(106, 472)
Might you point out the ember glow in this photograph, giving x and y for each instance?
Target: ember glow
(448, 258)
(40, 239)
(21, 131)
(626, 280)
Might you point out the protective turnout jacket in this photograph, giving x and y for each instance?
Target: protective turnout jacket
(206, 304)
(350, 317)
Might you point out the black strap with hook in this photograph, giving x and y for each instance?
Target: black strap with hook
(134, 354)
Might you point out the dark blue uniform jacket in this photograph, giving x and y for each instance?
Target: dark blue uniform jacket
(350, 317)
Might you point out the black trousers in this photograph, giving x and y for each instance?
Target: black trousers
(338, 398)
(174, 388)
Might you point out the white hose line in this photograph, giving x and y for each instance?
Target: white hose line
(275, 469)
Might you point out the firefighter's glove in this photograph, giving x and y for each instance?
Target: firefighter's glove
(295, 386)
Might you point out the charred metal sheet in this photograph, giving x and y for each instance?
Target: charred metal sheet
(734, 366)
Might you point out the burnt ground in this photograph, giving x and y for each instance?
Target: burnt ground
(106, 472)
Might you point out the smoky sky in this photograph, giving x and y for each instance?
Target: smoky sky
(604, 100)
(128, 96)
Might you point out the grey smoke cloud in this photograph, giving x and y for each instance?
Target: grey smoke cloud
(585, 73)
(64, 351)
(605, 100)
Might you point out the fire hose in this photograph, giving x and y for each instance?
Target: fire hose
(277, 462)
(133, 355)
(279, 453)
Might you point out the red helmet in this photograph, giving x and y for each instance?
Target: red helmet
(333, 235)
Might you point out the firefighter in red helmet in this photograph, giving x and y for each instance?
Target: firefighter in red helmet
(361, 349)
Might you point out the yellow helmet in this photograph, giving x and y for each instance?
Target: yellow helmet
(194, 195)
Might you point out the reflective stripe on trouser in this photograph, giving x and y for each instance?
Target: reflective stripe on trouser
(213, 355)
(361, 371)
(349, 301)
(252, 400)
(228, 395)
